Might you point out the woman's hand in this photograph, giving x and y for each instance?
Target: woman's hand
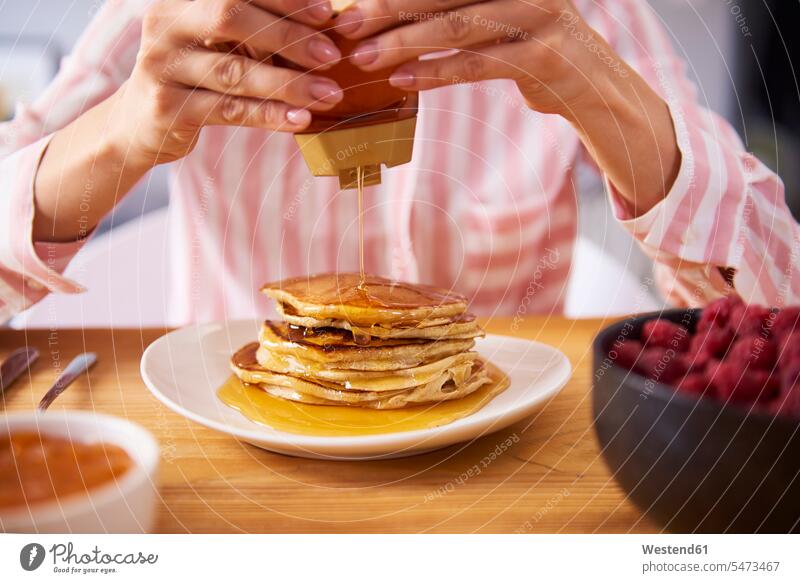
(560, 64)
(206, 62)
(534, 42)
(202, 62)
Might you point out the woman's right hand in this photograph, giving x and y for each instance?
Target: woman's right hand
(188, 75)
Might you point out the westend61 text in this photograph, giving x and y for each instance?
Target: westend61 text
(675, 550)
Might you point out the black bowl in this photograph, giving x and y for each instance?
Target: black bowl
(693, 464)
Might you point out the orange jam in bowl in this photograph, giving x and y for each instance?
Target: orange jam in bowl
(37, 468)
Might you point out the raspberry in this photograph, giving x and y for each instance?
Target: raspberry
(626, 352)
(790, 374)
(698, 356)
(711, 344)
(711, 370)
(733, 383)
(789, 349)
(749, 320)
(660, 364)
(716, 314)
(696, 363)
(693, 384)
(773, 385)
(665, 334)
(757, 351)
(787, 321)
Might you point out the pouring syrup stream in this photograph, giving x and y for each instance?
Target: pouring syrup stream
(360, 186)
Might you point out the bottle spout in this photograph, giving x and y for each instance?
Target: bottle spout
(371, 175)
(340, 152)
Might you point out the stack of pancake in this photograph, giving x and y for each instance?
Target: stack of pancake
(374, 343)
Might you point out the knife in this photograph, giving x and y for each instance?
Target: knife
(74, 369)
(17, 363)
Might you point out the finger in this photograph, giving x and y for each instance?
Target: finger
(313, 12)
(368, 17)
(203, 108)
(221, 21)
(493, 62)
(457, 29)
(233, 74)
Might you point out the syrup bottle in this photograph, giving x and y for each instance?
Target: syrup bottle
(373, 125)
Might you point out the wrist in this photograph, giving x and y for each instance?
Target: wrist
(598, 88)
(87, 167)
(627, 128)
(120, 142)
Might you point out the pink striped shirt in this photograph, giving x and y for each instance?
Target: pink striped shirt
(487, 206)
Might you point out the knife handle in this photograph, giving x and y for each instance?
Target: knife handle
(17, 363)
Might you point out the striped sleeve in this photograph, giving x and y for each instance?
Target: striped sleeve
(100, 62)
(725, 220)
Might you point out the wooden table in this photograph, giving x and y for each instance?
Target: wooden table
(552, 479)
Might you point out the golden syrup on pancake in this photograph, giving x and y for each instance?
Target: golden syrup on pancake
(361, 338)
(343, 288)
(301, 418)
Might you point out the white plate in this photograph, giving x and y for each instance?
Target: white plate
(185, 368)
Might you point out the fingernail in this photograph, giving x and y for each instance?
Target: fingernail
(402, 79)
(365, 54)
(320, 10)
(298, 117)
(324, 51)
(326, 91)
(349, 21)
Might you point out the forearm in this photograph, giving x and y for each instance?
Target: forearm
(627, 128)
(86, 169)
(561, 65)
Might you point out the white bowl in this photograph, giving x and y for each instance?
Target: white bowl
(125, 506)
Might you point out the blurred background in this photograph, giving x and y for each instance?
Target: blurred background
(740, 54)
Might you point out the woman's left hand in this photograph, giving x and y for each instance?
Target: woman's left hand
(560, 64)
(541, 44)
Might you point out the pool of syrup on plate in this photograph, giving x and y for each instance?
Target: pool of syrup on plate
(329, 420)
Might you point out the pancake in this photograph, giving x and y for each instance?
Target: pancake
(364, 380)
(399, 401)
(378, 301)
(462, 326)
(381, 345)
(454, 383)
(336, 348)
